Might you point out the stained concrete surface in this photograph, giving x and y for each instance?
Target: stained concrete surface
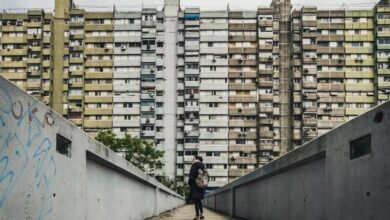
(187, 212)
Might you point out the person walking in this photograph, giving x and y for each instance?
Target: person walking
(197, 192)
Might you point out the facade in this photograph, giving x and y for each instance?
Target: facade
(236, 87)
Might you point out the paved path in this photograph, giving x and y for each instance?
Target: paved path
(187, 212)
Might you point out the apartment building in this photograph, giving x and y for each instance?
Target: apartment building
(231, 86)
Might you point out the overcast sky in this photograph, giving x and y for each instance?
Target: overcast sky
(204, 4)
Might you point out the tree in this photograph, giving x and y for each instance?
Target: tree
(175, 184)
(139, 152)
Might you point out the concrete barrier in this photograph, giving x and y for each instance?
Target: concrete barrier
(342, 175)
(50, 169)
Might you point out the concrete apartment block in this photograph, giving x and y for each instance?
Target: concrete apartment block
(239, 88)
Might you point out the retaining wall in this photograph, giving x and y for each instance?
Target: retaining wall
(43, 176)
(342, 175)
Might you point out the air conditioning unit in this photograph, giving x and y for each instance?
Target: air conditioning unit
(191, 119)
(214, 60)
(191, 95)
(123, 47)
(232, 158)
(239, 109)
(186, 132)
(305, 94)
(151, 95)
(151, 108)
(70, 82)
(142, 132)
(314, 57)
(306, 70)
(35, 35)
(210, 130)
(152, 70)
(71, 35)
(147, 120)
(270, 58)
(240, 60)
(357, 59)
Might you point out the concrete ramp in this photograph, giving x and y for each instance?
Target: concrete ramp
(342, 175)
(50, 169)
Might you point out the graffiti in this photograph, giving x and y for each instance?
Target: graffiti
(24, 146)
(20, 111)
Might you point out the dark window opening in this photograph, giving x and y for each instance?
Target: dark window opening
(360, 147)
(64, 145)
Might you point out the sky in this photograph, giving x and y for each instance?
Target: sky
(203, 4)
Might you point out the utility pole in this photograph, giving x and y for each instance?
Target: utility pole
(285, 77)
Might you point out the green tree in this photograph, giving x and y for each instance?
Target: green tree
(175, 184)
(139, 152)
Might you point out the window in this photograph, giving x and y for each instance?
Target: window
(213, 105)
(360, 147)
(357, 44)
(240, 141)
(127, 117)
(127, 105)
(63, 145)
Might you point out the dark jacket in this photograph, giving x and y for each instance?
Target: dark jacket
(196, 193)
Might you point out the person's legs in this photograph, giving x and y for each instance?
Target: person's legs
(197, 207)
(200, 207)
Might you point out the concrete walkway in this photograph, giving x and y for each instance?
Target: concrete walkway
(187, 212)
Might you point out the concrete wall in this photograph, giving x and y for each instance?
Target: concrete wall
(319, 180)
(37, 182)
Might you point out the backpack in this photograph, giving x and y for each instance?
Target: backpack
(202, 179)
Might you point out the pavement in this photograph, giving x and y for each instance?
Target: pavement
(187, 212)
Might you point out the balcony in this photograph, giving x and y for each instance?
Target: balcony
(333, 87)
(243, 160)
(242, 111)
(359, 99)
(98, 111)
(242, 123)
(97, 123)
(98, 75)
(310, 122)
(13, 64)
(100, 63)
(238, 172)
(242, 135)
(98, 99)
(353, 62)
(359, 87)
(237, 98)
(242, 86)
(355, 111)
(98, 87)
